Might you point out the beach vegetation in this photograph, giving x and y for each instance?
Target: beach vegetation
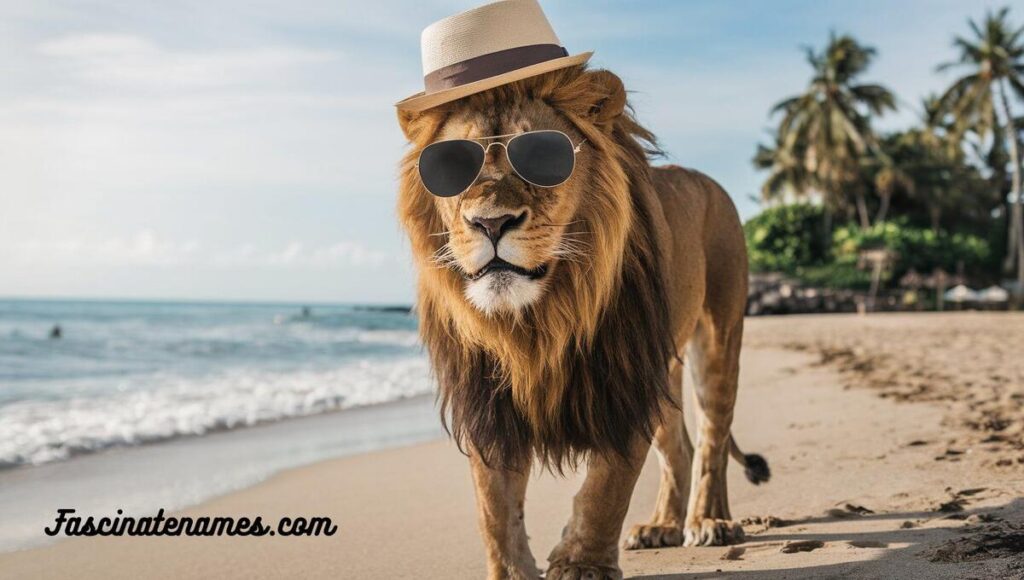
(944, 193)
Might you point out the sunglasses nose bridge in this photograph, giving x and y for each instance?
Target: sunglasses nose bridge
(487, 148)
(493, 169)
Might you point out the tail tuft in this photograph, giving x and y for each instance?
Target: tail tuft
(756, 469)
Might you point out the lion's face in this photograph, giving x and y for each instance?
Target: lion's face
(505, 236)
(506, 252)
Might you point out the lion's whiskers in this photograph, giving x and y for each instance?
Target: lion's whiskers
(560, 225)
(443, 257)
(573, 243)
(572, 250)
(569, 249)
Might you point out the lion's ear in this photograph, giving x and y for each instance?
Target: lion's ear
(611, 96)
(411, 123)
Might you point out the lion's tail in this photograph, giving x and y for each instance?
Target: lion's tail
(754, 466)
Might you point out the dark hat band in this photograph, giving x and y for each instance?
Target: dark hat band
(491, 65)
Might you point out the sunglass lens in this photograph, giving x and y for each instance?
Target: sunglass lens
(543, 158)
(448, 168)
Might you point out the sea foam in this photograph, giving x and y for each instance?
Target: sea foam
(40, 431)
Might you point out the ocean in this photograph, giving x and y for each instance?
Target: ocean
(132, 373)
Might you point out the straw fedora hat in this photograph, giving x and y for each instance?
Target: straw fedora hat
(486, 47)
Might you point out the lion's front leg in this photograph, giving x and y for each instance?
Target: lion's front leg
(589, 547)
(675, 455)
(500, 495)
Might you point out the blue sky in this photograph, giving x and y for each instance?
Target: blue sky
(230, 149)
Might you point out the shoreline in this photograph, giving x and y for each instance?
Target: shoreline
(866, 475)
(80, 454)
(183, 472)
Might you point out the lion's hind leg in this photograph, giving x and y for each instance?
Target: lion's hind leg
(675, 455)
(714, 359)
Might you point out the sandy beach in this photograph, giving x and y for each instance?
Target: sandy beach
(895, 443)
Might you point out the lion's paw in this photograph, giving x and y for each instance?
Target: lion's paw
(712, 532)
(653, 536)
(571, 571)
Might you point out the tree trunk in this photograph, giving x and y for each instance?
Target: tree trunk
(826, 230)
(883, 209)
(1016, 239)
(862, 210)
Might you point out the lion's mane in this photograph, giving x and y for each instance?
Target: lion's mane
(584, 369)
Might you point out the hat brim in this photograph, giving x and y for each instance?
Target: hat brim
(422, 101)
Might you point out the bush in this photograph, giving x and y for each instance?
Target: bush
(836, 275)
(786, 239)
(789, 239)
(919, 248)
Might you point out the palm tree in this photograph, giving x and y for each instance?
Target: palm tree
(994, 62)
(890, 177)
(828, 126)
(787, 177)
(933, 180)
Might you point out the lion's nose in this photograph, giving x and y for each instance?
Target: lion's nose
(495, 227)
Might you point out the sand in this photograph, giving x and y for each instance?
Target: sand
(894, 442)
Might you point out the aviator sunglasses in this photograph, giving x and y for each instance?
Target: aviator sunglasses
(541, 158)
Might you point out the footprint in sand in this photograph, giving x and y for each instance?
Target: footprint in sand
(801, 546)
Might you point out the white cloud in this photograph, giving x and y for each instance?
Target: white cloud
(347, 253)
(145, 248)
(138, 63)
(124, 113)
(142, 249)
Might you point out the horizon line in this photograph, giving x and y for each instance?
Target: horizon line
(241, 301)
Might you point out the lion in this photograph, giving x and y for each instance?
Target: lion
(576, 356)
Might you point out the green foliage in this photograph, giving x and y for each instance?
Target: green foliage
(786, 239)
(922, 249)
(836, 275)
(789, 239)
(931, 184)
